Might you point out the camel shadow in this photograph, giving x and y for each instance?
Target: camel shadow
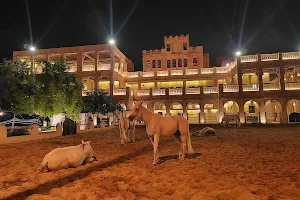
(175, 157)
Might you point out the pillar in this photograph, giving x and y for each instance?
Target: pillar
(220, 111)
(96, 60)
(284, 117)
(281, 73)
(241, 112)
(202, 114)
(167, 109)
(79, 61)
(262, 112)
(184, 106)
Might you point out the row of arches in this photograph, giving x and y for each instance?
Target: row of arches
(209, 113)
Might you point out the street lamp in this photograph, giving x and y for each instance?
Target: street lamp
(111, 41)
(32, 48)
(227, 64)
(238, 53)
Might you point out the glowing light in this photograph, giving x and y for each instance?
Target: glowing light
(294, 104)
(111, 41)
(227, 64)
(32, 48)
(1, 113)
(238, 53)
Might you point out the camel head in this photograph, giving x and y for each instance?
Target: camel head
(136, 112)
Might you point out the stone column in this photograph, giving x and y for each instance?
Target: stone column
(184, 106)
(167, 109)
(202, 114)
(79, 61)
(241, 111)
(284, 117)
(262, 112)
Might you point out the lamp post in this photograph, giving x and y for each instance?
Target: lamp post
(112, 68)
(238, 53)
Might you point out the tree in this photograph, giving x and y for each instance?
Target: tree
(99, 102)
(57, 91)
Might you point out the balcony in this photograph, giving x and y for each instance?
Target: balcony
(88, 68)
(72, 68)
(118, 92)
(250, 87)
(133, 74)
(191, 71)
(147, 74)
(103, 67)
(175, 91)
(271, 86)
(207, 70)
(292, 86)
(144, 92)
(158, 92)
(230, 88)
(192, 90)
(290, 55)
(220, 70)
(269, 57)
(162, 73)
(250, 58)
(210, 90)
(176, 72)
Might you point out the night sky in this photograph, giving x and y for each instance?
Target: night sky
(269, 25)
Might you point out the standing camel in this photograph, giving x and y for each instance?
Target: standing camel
(127, 126)
(158, 125)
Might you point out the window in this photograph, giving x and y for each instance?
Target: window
(148, 63)
(184, 46)
(195, 63)
(168, 47)
(179, 63)
(159, 63)
(185, 62)
(174, 63)
(153, 64)
(251, 109)
(168, 63)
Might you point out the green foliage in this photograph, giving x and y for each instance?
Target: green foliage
(99, 102)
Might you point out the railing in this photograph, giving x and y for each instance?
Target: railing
(162, 73)
(210, 90)
(250, 87)
(118, 92)
(292, 86)
(72, 68)
(87, 68)
(290, 55)
(147, 74)
(191, 71)
(133, 74)
(207, 70)
(157, 92)
(222, 69)
(249, 58)
(144, 92)
(230, 88)
(269, 57)
(103, 67)
(192, 90)
(271, 86)
(175, 91)
(176, 72)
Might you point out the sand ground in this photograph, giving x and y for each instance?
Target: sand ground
(246, 163)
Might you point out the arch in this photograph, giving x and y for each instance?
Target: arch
(195, 62)
(174, 63)
(210, 113)
(160, 108)
(185, 64)
(231, 107)
(176, 109)
(193, 113)
(273, 111)
(153, 64)
(293, 111)
(251, 110)
(179, 63)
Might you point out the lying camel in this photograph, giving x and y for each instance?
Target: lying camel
(157, 125)
(227, 118)
(72, 156)
(127, 126)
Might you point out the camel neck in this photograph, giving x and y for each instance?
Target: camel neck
(147, 115)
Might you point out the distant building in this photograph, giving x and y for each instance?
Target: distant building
(177, 79)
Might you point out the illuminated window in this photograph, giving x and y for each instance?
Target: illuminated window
(185, 62)
(148, 63)
(184, 46)
(179, 63)
(174, 63)
(168, 47)
(153, 64)
(168, 63)
(195, 62)
(251, 109)
(159, 63)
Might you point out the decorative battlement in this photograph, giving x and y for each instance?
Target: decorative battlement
(176, 39)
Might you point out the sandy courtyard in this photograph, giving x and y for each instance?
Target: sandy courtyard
(246, 163)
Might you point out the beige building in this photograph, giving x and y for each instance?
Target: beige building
(261, 88)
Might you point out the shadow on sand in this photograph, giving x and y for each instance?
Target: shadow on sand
(174, 157)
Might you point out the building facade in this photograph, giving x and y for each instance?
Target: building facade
(261, 88)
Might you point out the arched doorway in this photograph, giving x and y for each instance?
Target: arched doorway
(273, 112)
(231, 107)
(160, 108)
(176, 109)
(293, 111)
(251, 109)
(210, 113)
(193, 113)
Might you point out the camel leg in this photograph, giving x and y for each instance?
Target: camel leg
(177, 136)
(183, 145)
(121, 137)
(133, 134)
(155, 149)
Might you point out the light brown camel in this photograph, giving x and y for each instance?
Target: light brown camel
(127, 127)
(158, 125)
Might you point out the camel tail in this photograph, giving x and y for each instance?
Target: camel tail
(189, 144)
